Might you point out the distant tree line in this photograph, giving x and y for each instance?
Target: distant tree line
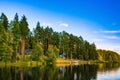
(106, 55)
(18, 42)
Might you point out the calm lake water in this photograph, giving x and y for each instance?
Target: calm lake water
(81, 72)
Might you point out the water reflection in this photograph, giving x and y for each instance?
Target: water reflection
(81, 72)
(110, 73)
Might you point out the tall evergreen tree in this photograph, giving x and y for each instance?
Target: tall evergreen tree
(71, 45)
(4, 20)
(38, 33)
(24, 33)
(15, 28)
(47, 39)
(16, 32)
(64, 43)
(56, 39)
(6, 40)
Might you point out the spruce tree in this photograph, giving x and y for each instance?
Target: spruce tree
(24, 33)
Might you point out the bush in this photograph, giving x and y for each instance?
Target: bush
(53, 53)
(37, 52)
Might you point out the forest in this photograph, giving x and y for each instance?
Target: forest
(19, 43)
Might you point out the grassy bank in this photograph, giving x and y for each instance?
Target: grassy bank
(21, 64)
(71, 61)
(59, 62)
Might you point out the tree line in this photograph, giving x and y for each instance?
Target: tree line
(106, 55)
(18, 42)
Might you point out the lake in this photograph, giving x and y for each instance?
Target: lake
(99, 71)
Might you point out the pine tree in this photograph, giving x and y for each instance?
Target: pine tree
(6, 40)
(24, 33)
(4, 20)
(16, 32)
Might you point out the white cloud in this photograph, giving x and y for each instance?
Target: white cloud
(98, 40)
(63, 24)
(110, 31)
(47, 24)
(112, 37)
(107, 31)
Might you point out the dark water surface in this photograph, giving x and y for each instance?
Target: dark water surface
(82, 72)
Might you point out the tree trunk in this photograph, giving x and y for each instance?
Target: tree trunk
(22, 47)
(71, 55)
(21, 75)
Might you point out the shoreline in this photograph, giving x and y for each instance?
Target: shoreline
(59, 62)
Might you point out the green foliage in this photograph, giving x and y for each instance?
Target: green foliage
(4, 20)
(37, 52)
(24, 27)
(5, 44)
(16, 36)
(106, 55)
(64, 43)
(38, 33)
(53, 53)
(56, 39)
(27, 58)
(24, 34)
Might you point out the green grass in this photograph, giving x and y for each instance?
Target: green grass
(21, 64)
(59, 61)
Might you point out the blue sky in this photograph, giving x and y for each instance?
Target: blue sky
(97, 21)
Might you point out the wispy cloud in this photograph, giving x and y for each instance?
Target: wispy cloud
(111, 37)
(47, 24)
(64, 24)
(110, 31)
(107, 31)
(98, 40)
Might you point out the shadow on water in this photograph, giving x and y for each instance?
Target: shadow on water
(81, 72)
